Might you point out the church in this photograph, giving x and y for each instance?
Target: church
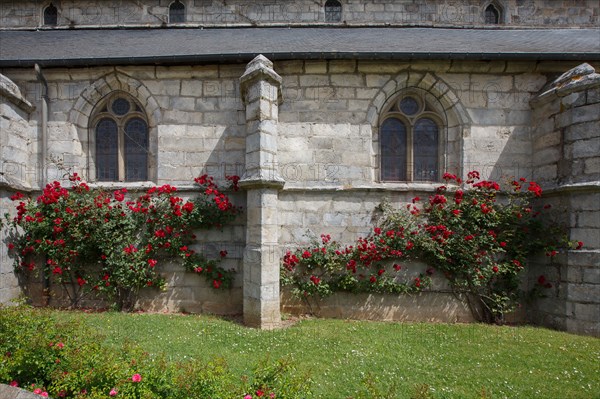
(324, 108)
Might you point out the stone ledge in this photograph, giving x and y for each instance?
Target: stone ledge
(12, 92)
(8, 392)
(591, 187)
(580, 78)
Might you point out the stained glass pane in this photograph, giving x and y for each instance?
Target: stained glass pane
(120, 106)
(393, 150)
(409, 106)
(50, 15)
(492, 16)
(176, 12)
(333, 11)
(107, 150)
(426, 139)
(136, 150)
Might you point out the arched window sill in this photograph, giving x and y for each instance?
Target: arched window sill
(130, 186)
(375, 186)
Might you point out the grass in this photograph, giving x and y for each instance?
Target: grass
(342, 357)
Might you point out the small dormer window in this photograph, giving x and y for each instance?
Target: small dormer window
(50, 15)
(333, 11)
(176, 12)
(492, 15)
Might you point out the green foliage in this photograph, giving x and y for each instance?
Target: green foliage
(479, 237)
(326, 267)
(96, 242)
(70, 360)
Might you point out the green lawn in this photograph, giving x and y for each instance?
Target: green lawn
(447, 361)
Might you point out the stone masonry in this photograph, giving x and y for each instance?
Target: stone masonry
(155, 13)
(321, 140)
(567, 162)
(303, 131)
(260, 86)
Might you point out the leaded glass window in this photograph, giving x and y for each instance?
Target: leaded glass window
(50, 15)
(176, 12)
(492, 15)
(393, 149)
(410, 141)
(121, 140)
(333, 11)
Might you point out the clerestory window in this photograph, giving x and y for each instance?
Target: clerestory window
(492, 15)
(50, 15)
(176, 12)
(333, 11)
(120, 129)
(410, 140)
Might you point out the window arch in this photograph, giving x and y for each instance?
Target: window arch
(176, 12)
(492, 14)
(120, 130)
(333, 11)
(50, 15)
(410, 135)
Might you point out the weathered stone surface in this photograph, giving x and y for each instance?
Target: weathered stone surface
(8, 392)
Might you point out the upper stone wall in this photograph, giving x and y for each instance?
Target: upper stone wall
(155, 13)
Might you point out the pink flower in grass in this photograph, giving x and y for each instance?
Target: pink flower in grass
(248, 396)
(113, 392)
(136, 378)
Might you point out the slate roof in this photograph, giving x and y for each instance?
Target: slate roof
(170, 46)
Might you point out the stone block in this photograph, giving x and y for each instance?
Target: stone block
(491, 83)
(342, 66)
(583, 292)
(381, 67)
(367, 94)
(585, 219)
(587, 311)
(288, 67)
(592, 166)
(314, 80)
(183, 103)
(192, 88)
(593, 95)
(575, 99)
(518, 117)
(576, 326)
(542, 141)
(530, 82)
(520, 67)
(377, 81)
(469, 66)
(582, 131)
(164, 87)
(586, 148)
(315, 67)
(487, 117)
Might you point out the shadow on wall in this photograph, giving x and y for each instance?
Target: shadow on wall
(425, 306)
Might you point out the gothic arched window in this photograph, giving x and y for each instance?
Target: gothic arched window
(492, 15)
(120, 131)
(176, 12)
(333, 11)
(410, 136)
(50, 15)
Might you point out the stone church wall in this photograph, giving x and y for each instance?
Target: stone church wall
(459, 13)
(17, 144)
(566, 158)
(327, 141)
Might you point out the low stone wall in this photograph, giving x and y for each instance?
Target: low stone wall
(8, 392)
(422, 307)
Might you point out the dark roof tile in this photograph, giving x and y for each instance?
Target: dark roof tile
(168, 46)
